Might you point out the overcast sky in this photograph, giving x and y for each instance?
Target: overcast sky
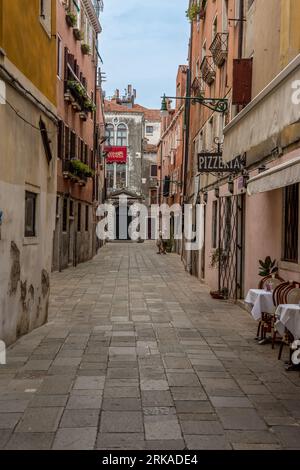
(142, 43)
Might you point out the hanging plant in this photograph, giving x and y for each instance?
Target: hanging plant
(71, 19)
(85, 48)
(77, 88)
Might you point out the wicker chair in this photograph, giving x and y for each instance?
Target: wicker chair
(265, 324)
(278, 299)
(291, 295)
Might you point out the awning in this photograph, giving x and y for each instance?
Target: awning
(279, 176)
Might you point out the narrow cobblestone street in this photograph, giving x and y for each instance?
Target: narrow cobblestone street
(136, 355)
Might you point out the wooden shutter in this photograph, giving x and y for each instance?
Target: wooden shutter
(242, 81)
(60, 140)
(67, 143)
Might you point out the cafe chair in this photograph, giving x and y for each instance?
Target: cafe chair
(291, 295)
(265, 324)
(278, 299)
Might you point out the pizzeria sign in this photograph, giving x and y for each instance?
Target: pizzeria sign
(116, 154)
(213, 162)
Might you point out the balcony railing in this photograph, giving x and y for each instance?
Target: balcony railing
(208, 70)
(219, 48)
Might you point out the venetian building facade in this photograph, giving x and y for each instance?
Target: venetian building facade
(28, 160)
(81, 125)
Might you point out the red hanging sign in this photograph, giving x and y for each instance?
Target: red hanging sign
(116, 154)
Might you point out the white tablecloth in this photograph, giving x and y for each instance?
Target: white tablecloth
(288, 317)
(262, 301)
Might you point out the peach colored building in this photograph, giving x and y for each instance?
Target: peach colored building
(81, 126)
(171, 147)
(253, 213)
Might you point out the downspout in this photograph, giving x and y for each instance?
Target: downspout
(241, 30)
(186, 133)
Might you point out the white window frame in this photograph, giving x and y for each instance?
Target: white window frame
(45, 15)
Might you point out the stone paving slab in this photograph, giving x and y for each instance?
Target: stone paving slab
(137, 355)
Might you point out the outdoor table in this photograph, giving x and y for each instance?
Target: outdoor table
(262, 302)
(288, 317)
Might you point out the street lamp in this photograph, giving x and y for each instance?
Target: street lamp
(219, 105)
(164, 107)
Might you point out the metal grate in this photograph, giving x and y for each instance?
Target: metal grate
(291, 222)
(230, 246)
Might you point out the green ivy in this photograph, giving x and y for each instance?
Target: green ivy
(85, 48)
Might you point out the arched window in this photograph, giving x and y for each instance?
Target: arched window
(122, 135)
(110, 134)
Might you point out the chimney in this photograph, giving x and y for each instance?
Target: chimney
(129, 91)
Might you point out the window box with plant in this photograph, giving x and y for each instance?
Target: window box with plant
(78, 34)
(71, 19)
(85, 49)
(81, 170)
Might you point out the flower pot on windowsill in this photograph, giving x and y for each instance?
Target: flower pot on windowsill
(85, 49)
(78, 34)
(71, 19)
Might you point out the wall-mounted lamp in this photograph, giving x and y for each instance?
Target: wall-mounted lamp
(231, 185)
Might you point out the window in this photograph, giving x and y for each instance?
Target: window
(30, 214)
(79, 218)
(67, 143)
(86, 218)
(121, 176)
(291, 223)
(59, 57)
(73, 145)
(153, 171)
(65, 215)
(122, 135)
(110, 134)
(110, 176)
(71, 209)
(149, 130)
(45, 15)
(60, 140)
(214, 224)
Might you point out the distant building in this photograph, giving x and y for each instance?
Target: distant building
(132, 133)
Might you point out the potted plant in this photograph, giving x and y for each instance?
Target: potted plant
(89, 106)
(78, 34)
(71, 19)
(268, 267)
(196, 11)
(85, 48)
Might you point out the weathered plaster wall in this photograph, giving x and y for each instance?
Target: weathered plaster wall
(25, 264)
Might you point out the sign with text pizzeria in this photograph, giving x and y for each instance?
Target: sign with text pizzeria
(116, 154)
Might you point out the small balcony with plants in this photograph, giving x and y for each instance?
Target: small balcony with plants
(77, 172)
(196, 12)
(208, 71)
(219, 48)
(71, 19)
(76, 95)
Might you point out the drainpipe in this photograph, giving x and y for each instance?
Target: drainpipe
(186, 131)
(241, 30)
